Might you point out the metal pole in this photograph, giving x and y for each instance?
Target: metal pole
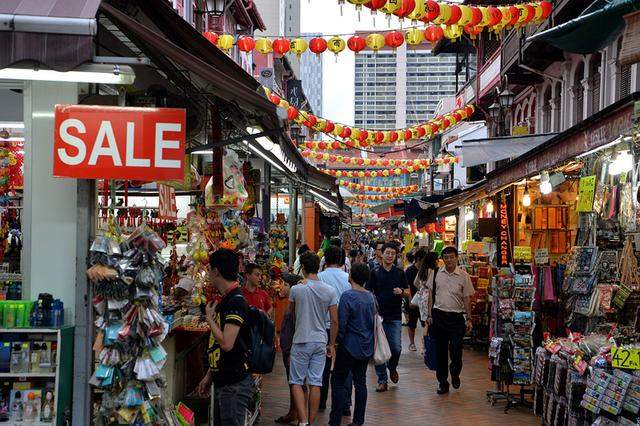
(266, 197)
(293, 223)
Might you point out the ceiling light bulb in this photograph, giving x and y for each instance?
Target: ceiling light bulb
(526, 199)
(490, 207)
(546, 188)
(622, 164)
(469, 215)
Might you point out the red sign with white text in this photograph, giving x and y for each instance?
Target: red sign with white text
(168, 209)
(125, 143)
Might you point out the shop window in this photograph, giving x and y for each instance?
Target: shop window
(625, 81)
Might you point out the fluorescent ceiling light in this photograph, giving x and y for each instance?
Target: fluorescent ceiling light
(322, 197)
(202, 153)
(11, 125)
(268, 145)
(91, 73)
(609, 145)
(264, 156)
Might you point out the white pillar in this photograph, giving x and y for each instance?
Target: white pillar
(50, 204)
(401, 87)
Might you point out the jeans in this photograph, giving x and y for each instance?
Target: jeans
(347, 365)
(324, 390)
(449, 329)
(393, 330)
(232, 402)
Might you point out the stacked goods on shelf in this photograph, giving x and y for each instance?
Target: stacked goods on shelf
(125, 276)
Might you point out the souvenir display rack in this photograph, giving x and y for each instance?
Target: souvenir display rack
(511, 345)
(481, 273)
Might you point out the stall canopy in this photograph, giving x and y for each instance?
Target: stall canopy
(57, 34)
(585, 34)
(482, 151)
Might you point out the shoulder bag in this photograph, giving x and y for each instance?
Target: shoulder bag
(381, 349)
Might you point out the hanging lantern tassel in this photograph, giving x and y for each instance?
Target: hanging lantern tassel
(341, 3)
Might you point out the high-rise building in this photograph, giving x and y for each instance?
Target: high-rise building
(400, 89)
(311, 76)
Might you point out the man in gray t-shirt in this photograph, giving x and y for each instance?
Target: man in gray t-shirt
(309, 303)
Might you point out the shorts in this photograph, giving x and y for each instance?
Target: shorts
(307, 363)
(414, 315)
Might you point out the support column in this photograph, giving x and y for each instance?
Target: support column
(266, 197)
(293, 223)
(401, 87)
(50, 204)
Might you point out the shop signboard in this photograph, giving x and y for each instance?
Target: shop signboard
(295, 97)
(475, 247)
(522, 254)
(167, 209)
(586, 193)
(505, 213)
(125, 143)
(542, 256)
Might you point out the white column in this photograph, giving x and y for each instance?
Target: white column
(567, 97)
(539, 112)
(50, 204)
(587, 87)
(635, 78)
(401, 87)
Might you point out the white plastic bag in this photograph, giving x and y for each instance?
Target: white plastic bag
(381, 351)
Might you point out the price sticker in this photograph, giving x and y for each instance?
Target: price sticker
(625, 358)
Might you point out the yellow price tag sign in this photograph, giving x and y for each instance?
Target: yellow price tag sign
(625, 358)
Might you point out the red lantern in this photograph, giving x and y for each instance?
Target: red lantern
(430, 228)
(275, 99)
(346, 132)
(496, 16)
(433, 33)
(445, 123)
(360, 161)
(306, 153)
(364, 144)
(476, 16)
(546, 9)
(439, 227)
(292, 113)
(424, 162)
(433, 10)
(246, 44)
(329, 126)
(393, 136)
(385, 162)
(318, 156)
(406, 9)
(332, 158)
(408, 135)
(394, 39)
(211, 36)
(404, 170)
(346, 160)
(281, 46)
(375, 5)
(309, 144)
(472, 31)
(379, 137)
(515, 15)
(322, 145)
(356, 43)
(434, 128)
(363, 135)
(446, 160)
(457, 116)
(469, 110)
(367, 174)
(421, 132)
(318, 45)
(349, 144)
(531, 13)
(456, 14)
(312, 120)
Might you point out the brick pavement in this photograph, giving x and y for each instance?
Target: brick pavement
(413, 401)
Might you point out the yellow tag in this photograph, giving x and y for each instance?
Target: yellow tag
(625, 358)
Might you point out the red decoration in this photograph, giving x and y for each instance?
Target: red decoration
(312, 120)
(356, 43)
(433, 33)
(408, 135)
(421, 132)
(332, 158)
(393, 136)
(456, 14)
(476, 16)
(329, 126)
(346, 132)
(515, 15)
(547, 8)
(406, 9)
(379, 136)
(433, 10)
(457, 116)
(531, 13)
(292, 113)
(211, 36)
(318, 45)
(495, 14)
(281, 46)
(309, 144)
(472, 31)
(246, 44)
(275, 99)
(363, 135)
(375, 5)
(394, 39)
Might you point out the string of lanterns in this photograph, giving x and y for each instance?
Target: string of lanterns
(362, 138)
(383, 189)
(411, 165)
(370, 197)
(459, 16)
(447, 20)
(354, 203)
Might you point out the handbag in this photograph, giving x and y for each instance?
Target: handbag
(381, 349)
(430, 359)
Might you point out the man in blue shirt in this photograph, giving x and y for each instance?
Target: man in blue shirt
(389, 284)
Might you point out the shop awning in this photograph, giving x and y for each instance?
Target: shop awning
(467, 196)
(57, 34)
(482, 151)
(597, 26)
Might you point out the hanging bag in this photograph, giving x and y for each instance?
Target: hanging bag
(430, 359)
(381, 349)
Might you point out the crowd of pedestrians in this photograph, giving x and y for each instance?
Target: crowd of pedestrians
(328, 334)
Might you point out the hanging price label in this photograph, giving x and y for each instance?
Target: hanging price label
(625, 358)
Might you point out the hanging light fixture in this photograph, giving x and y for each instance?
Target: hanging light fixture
(489, 207)
(216, 7)
(506, 98)
(526, 198)
(494, 110)
(622, 163)
(469, 215)
(545, 183)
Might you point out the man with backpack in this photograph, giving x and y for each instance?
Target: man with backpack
(309, 304)
(230, 337)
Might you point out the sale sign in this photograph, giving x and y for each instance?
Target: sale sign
(124, 143)
(168, 209)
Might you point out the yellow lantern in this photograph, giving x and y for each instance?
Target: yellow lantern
(338, 173)
(336, 45)
(414, 133)
(410, 169)
(391, 7)
(367, 161)
(539, 11)
(350, 174)
(225, 42)
(337, 129)
(506, 15)
(300, 119)
(375, 42)
(523, 13)
(444, 15)
(427, 130)
(355, 133)
(353, 160)
(453, 32)
(374, 174)
(419, 11)
(325, 156)
(398, 172)
(385, 173)
(415, 37)
(264, 45)
(401, 135)
(466, 16)
(486, 16)
(392, 163)
(360, 174)
(299, 46)
(283, 104)
(387, 136)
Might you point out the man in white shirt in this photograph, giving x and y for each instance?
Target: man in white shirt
(453, 291)
(338, 279)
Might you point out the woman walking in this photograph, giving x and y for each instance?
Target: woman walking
(429, 263)
(356, 325)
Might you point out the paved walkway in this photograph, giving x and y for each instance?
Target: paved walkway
(413, 401)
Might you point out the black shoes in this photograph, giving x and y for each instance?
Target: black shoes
(442, 390)
(455, 382)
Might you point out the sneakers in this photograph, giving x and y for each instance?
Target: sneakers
(382, 387)
(393, 375)
(412, 347)
(442, 390)
(455, 382)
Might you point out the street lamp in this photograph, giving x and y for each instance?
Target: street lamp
(215, 7)
(494, 111)
(506, 98)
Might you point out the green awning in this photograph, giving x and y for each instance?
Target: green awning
(597, 26)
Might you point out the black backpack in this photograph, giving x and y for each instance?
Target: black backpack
(261, 350)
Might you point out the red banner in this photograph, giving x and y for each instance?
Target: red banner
(125, 143)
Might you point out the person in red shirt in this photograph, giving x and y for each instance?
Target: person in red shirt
(256, 297)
